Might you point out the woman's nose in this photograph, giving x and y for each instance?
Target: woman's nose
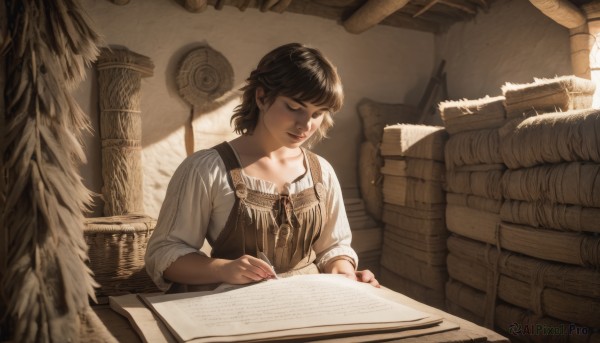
(303, 123)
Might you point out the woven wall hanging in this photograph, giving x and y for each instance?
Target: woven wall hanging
(204, 76)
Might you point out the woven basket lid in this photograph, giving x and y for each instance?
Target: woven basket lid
(204, 75)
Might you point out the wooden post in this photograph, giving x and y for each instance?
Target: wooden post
(592, 13)
(581, 43)
(371, 14)
(119, 77)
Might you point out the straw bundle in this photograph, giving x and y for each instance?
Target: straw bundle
(357, 215)
(472, 223)
(551, 216)
(45, 283)
(566, 247)
(485, 184)
(470, 273)
(417, 240)
(414, 167)
(410, 220)
(370, 178)
(376, 115)
(119, 81)
(457, 310)
(467, 115)
(475, 202)
(404, 191)
(547, 95)
(418, 141)
(412, 289)
(568, 278)
(406, 266)
(430, 222)
(427, 211)
(428, 254)
(473, 147)
(353, 204)
(541, 300)
(117, 247)
(463, 297)
(552, 138)
(567, 183)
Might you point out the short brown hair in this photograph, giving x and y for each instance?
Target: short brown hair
(296, 71)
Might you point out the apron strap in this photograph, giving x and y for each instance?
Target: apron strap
(232, 164)
(314, 166)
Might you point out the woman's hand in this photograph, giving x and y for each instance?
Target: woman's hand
(245, 269)
(344, 267)
(367, 276)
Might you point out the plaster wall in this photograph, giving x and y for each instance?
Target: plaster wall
(512, 42)
(385, 64)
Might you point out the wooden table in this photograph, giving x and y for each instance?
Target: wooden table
(469, 332)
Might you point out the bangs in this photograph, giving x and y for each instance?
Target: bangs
(319, 91)
(313, 80)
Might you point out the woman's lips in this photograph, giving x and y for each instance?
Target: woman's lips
(297, 137)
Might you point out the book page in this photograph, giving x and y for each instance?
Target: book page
(296, 302)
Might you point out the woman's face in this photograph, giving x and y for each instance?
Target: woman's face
(290, 122)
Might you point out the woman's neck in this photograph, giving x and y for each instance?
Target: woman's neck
(279, 165)
(252, 146)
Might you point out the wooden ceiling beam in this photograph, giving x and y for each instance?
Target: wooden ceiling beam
(425, 8)
(464, 8)
(562, 12)
(267, 4)
(408, 22)
(281, 6)
(371, 14)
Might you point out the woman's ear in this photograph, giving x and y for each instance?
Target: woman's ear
(260, 97)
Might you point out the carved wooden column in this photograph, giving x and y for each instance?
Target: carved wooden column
(119, 78)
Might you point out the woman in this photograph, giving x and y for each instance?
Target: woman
(261, 192)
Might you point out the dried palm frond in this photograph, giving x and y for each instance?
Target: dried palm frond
(45, 284)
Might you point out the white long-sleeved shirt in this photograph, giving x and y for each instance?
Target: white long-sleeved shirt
(199, 200)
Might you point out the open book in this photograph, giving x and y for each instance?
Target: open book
(298, 307)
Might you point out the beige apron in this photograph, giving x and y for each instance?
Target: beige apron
(284, 227)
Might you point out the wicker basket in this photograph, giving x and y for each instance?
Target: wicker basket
(116, 250)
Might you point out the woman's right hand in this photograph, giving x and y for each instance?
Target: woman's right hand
(245, 269)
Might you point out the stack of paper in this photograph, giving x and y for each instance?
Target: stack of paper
(298, 307)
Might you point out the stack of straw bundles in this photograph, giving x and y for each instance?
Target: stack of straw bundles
(564, 292)
(366, 234)
(375, 116)
(547, 95)
(413, 260)
(474, 170)
(552, 189)
(550, 213)
(514, 321)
